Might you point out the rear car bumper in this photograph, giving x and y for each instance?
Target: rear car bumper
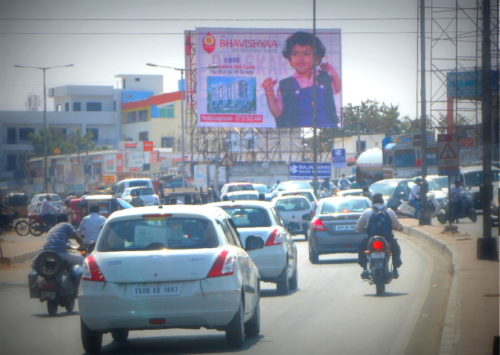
(327, 243)
(209, 303)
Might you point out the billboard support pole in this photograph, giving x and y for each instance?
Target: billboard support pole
(315, 93)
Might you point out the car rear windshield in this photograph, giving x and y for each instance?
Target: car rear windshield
(245, 217)
(345, 206)
(292, 204)
(157, 232)
(240, 188)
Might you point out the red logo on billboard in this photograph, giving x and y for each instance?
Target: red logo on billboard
(209, 43)
(148, 146)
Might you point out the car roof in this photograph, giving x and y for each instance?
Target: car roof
(98, 197)
(197, 210)
(259, 203)
(343, 198)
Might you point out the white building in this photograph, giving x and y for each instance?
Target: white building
(90, 108)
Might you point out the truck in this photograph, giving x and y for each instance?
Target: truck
(172, 191)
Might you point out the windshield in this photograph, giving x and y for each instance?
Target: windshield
(385, 188)
(157, 233)
(292, 204)
(261, 188)
(344, 205)
(294, 185)
(233, 188)
(244, 217)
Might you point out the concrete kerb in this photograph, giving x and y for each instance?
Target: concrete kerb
(450, 332)
(21, 258)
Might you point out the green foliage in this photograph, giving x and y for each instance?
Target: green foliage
(57, 140)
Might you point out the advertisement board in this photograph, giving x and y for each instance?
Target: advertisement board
(305, 170)
(263, 77)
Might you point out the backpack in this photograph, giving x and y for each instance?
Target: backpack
(379, 224)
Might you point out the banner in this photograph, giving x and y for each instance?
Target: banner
(264, 77)
(305, 170)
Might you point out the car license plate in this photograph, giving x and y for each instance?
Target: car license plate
(148, 290)
(344, 227)
(378, 255)
(48, 295)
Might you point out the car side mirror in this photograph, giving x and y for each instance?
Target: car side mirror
(253, 242)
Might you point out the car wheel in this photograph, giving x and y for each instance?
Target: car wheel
(252, 327)
(294, 280)
(91, 339)
(235, 333)
(70, 304)
(282, 285)
(52, 307)
(313, 256)
(120, 335)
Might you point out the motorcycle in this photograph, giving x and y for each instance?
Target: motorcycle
(54, 280)
(38, 225)
(466, 209)
(379, 266)
(433, 206)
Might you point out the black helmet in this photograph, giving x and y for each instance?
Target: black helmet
(377, 198)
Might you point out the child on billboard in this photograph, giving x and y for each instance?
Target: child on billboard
(292, 104)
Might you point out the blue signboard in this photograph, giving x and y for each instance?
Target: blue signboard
(468, 84)
(305, 170)
(338, 158)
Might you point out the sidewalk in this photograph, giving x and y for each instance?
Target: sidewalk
(472, 317)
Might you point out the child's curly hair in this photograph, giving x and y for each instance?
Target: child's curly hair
(304, 39)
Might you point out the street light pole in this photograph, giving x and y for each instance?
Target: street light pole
(45, 122)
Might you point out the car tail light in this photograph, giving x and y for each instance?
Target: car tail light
(91, 271)
(223, 266)
(318, 225)
(378, 245)
(275, 238)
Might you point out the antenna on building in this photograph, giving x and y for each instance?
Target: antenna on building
(33, 102)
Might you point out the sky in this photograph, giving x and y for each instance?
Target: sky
(104, 38)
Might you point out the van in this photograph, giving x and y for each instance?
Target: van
(133, 182)
(472, 179)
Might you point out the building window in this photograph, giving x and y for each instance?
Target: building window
(24, 134)
(131, 117)
(11, 135)
(11, 162)
(94, 106)
(143, 136)
(167, 142)
(167, 111)
(143, 115)
(66, 106)
(77, 106)
(94, 132)
(59, 108)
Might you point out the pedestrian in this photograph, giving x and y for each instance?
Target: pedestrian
(91, 225)
(344, 183)
(414, 199)
(292, 104)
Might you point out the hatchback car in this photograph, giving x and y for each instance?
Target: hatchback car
(296, 211)
(393, 190)
(292, 185)
(277, 261)
(333, 229)
(146, 194)
(235, 186)
(169, 267)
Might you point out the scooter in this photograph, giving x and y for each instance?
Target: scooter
(466, 210)
(55, 281)
(379, 255)
(433, 205)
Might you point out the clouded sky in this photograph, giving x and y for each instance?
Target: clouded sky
(110, 37)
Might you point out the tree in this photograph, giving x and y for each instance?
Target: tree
(57, 140)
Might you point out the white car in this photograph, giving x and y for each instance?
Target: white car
(296, 211)
(146, 194)
(235, 186)
(277, 261)
(242, 195)
(162, 267)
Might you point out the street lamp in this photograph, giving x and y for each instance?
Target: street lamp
(45, 123)
(183, 132)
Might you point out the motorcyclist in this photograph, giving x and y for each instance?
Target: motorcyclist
(457, 199)
(344, 183)
(414, 199)
(48, 211)
(91, 225)
(57, 241)
(364, 225)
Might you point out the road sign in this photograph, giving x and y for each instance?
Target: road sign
(226, 161)
(338, 158)
(448, 155)
(305, 170)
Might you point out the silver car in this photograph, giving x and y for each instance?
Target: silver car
(333, 228)
(277, 261)
(169, 267)
(296, 211)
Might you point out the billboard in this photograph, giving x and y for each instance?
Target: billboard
(263, 77)
(305, 170)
